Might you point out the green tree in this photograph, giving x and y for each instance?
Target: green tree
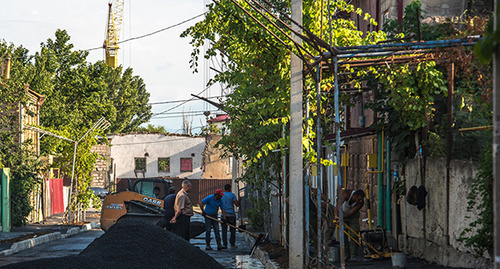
(258, 69)
(77, 94)
(25, 167)
(153, 129)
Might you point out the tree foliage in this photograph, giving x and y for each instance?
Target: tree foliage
(257, 67)
(25, 167)
(479, 235)
(78, 94)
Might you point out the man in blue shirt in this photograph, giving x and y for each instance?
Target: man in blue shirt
(229, 201)
(168, 205)
(210, 207)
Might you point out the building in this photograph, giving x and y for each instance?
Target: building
(156, 155)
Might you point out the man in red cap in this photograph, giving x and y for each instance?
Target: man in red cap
(210, 207)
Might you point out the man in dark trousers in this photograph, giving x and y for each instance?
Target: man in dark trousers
(209, 208)
(183, 210)
(168, 205)
(229, 200)
(351, 202)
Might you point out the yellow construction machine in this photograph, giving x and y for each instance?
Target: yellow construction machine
(138, 202)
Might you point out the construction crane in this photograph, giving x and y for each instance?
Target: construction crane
(115, 19)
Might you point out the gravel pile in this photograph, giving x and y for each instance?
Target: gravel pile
(131, 244)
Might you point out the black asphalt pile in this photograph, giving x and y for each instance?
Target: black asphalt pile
(132, 244)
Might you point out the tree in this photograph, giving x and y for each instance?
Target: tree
(25, 167)
(257, 67)
(78, 93)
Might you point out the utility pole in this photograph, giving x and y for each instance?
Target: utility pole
(496, 143)
(297, 249)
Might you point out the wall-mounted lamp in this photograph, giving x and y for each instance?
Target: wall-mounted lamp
(192, 154)
(146, 154)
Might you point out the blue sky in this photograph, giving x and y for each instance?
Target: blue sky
(162, 60)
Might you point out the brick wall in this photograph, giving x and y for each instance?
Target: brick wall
(101, 173)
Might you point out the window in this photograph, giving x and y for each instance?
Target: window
(164, 165)
(140, 164)
(186, 165)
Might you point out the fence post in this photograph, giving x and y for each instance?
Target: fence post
(5, 200)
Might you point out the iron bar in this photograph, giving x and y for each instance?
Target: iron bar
(410, 44)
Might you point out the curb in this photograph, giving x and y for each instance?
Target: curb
(29, 243)
(260, 254)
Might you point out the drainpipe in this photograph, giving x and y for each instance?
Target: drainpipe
(380, 188)
(388, 188)
(319, 166)
(306, 215)
(337, 149)
(400, 13)
(380, 183)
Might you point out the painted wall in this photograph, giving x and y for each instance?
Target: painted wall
(216, 166)
(126, 147)
(428, 229)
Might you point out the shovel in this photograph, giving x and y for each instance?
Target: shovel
(259, 238)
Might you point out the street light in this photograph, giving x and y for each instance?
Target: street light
(101, 124)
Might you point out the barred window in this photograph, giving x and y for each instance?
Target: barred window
(164, 165)
(140, 164)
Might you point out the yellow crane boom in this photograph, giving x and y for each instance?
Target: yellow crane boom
(115, 19)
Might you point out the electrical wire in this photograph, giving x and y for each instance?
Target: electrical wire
(161, 30)
(120, 42)
(192, 98)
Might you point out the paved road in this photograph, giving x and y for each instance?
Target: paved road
(59, 248)
(229, 258)
(73, 245)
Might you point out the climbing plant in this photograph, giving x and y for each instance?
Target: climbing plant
(479, 236)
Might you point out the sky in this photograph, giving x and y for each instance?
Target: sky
(162, 59)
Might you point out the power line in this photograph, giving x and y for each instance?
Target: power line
(178, 101)
(170, 109)
(189, 112)
(120, 42)
(161, 30)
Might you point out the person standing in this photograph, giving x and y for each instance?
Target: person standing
(209, 209)
(352, 201)
(229, 200)
(169, 206)
(183, 210)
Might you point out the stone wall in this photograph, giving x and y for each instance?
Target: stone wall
(432, 233)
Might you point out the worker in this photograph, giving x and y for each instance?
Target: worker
(156, 192)
(183, 210)
(168, 205)
(351, 202)
(229, 200)
(209, 209)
